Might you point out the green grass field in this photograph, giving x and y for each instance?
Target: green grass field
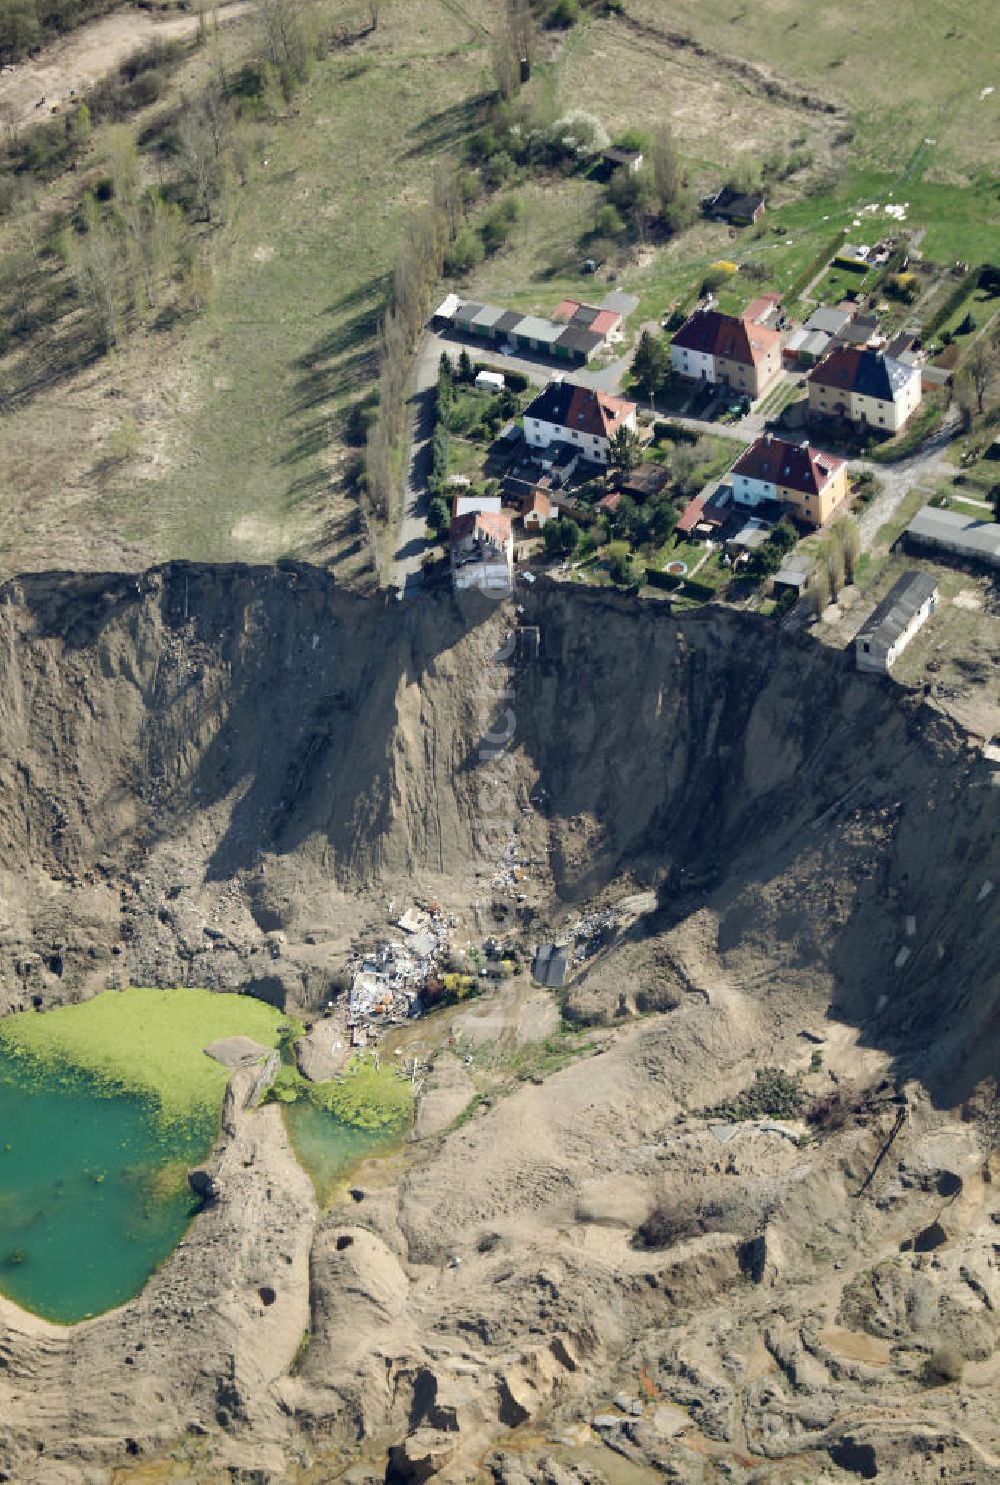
(239, 415)
(907, 72)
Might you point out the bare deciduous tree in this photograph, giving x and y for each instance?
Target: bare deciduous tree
(834, 568)
(818, 592)
(980, 367)
(848, 539)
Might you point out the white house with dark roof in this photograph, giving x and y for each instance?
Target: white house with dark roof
(864, 387)
(907, 605)
(581, 417)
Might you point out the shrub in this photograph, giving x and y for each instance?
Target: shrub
(465, 252)
(609, 222)
(714, 279)
(498, 225)
(498, 169)
(674, 433)
(942, 1366)
(620, 564)
(671, 1222)
(564, 13)
(771, 1095)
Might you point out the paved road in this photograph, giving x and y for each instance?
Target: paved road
(407, 571)
(926, 466)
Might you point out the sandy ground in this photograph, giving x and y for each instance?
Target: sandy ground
(43, 85)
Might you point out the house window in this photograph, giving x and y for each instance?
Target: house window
(867, 648)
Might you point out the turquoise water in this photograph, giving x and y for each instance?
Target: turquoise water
(326, 1147)
(93, 1194)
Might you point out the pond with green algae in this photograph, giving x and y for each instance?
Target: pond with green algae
(104, 1106)
(328, 1148)
(93, 1190)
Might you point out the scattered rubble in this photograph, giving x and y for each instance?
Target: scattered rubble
(387, 985)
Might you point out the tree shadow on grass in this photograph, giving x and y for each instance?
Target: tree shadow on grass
(448, 127)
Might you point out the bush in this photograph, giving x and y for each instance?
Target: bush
(620, 564)
(500, 222)
(673, 433)
(671, 1222)
(563, 15)
(771, 1095)
(609, 221)
(437, 514)
(942, 1366)
(465, 252)
(714, 279)
(498, 169)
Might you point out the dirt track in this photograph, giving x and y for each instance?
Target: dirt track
(43, 85)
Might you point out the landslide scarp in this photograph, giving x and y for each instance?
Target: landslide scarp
(235, 776)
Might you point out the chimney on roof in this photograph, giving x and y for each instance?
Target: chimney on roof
(768, 436)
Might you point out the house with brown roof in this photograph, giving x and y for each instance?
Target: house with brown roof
(864, 387)
(585, 419)
(733, 350)
(808, 484)
(536, 509)
(739, 208)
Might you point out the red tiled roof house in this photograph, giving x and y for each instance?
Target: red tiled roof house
(738, 352)
(809, 484)
(579, 416)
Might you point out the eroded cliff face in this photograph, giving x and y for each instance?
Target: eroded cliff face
(226, 776)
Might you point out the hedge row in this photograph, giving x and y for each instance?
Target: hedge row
(966, 285)
(832, 246)
(692, 588)
(674, 432)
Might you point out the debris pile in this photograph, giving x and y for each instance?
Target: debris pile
(593, 931)
(387, 983)
(510, 870)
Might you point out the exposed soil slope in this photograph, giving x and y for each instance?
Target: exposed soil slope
(226, 776)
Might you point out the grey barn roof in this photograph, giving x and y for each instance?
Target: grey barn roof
(550, 966)
(957, 533)
(897, 609)
(620, 302)
(827, 318)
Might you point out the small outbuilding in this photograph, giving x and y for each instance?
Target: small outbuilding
(739, 208)
(907, 605)
(550, 965)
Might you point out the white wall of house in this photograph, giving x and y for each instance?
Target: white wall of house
(751, 492)
(698, 365)
(889, 415)
(872, 654)
(540, 434)
(592, 446)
